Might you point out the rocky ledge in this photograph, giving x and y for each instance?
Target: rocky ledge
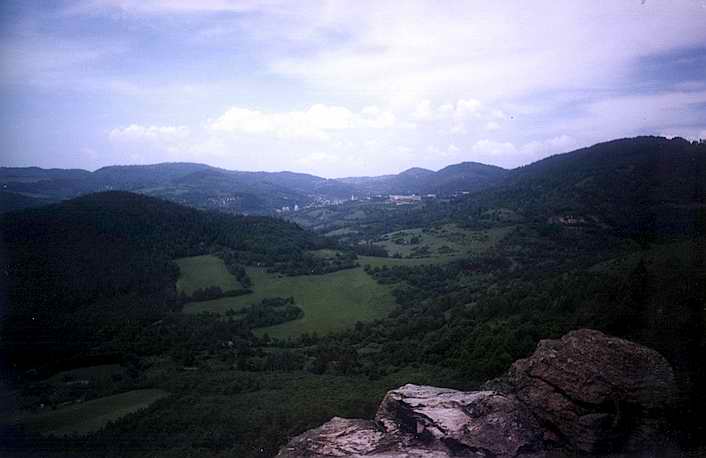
(585, 392)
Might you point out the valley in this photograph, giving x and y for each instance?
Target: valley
(365, 229)
(193, 317)
(206, 187)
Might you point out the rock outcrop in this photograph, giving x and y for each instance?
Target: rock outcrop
(485, 422)
(586, 392)
(596, 393)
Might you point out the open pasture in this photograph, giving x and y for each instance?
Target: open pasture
(330, 302)
(203, 272)
(446, 242)
(87, 417)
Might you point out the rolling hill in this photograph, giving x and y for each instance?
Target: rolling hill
(548, 248)
(82, 266)
(633, 172)
(642, 185)
(34, 174)
(457, 178)
(206, 187)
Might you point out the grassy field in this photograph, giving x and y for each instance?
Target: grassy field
(337, 300)
(446, 242)
(99, 374)
(89, 416)
(330, 302)
(221, 305)
(325, 253)
(202, 272)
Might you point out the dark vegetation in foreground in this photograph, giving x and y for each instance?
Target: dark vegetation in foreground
(85, 267)
(611, 237)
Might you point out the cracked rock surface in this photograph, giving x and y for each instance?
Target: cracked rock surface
(482, 422)
(597, 392)
(585, 392)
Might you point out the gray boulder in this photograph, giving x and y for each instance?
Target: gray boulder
(596, 392)
(585, 392)
(484, 423)
(356, 438)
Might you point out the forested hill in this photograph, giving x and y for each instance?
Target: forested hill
(456, 178)
(206, 187)
(196, 185)
(115, 249)
(643, 185)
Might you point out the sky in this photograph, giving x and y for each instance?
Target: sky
(342, 88)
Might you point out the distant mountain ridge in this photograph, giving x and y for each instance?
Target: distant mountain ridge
(623, 166)
(28, 174)
(197, 185)
(205, 186)
(462, 177)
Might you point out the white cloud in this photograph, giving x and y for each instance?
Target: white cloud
(423, 111)
(467, 108)
(316, 159)
(462, 110)
(374, 117)
(139, 133)
(251, 139)
(505, 82)
(455, 117)
(243, 120)
(493, 148)
(450, 154)
(554, 145)
(315, 123)
(412, 53)
(562, 143)
(508, 154)
(498, 114)
(310, 124)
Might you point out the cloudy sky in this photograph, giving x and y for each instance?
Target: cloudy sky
(340, 88)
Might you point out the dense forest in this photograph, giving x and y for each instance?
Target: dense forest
(610, 237)
(74, 267)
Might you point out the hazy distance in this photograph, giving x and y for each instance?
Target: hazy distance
(342, 88)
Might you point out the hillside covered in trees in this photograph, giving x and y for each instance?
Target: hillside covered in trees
(72, 266)
(609, 237)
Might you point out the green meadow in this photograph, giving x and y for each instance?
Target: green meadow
(101, 375)
(87, 417)
(442, 243)
(202, 272)
(337, 300)
(330, 302)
